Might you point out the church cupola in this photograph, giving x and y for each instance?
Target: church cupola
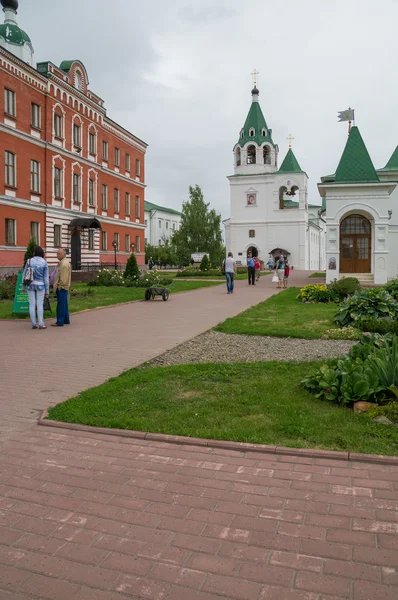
(255, 151)
(12, 37)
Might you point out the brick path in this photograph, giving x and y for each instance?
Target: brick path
(86, 516)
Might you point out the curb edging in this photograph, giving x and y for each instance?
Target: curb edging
(223, 444)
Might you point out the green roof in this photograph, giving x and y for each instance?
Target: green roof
(392, 164)
(290, 204)
(355, 165)
(150, 206)
(255, 119)
(66, 65)
(290, 164)
(14, 35)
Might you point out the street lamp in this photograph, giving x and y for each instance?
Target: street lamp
(114, 244)
(132, 247)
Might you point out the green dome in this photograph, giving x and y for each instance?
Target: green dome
(14, 34)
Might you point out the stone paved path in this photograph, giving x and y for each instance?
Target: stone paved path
(87, 516)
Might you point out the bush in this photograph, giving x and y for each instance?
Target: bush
(346, 333)
(241, 270)
(190, 272)
(368, 372)
(343, 288)
(131, 269)
(205, 263)
(7, 287)
(29, 250)
(370, 304)
(377, 325)
(392, 288)
(81, 293)
(110, 278)
(315, 293)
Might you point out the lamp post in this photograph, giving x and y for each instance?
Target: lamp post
(114, 244)
(132, 247)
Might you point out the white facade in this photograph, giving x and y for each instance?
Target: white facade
(160, 224)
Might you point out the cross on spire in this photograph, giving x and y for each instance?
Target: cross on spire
(255, 73)
(290, 138)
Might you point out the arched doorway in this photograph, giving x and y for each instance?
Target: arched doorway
(76, 250)
(355, 244)
(253, 250)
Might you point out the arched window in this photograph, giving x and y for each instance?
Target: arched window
(264, 132)
(355, 224)
(251, 155)
(252, 132)
(238, 157)
(78, 81)
(242, 134)
(282, 192)
(267, 155)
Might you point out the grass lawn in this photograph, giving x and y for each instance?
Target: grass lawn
(283, 316)
(321, 274)
(106, 296)
(216, 401)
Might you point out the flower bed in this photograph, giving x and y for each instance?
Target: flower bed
(7, 287)
(116, 278)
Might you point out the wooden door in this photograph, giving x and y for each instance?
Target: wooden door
(355, 245)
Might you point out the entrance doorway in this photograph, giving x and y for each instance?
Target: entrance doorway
(76, 251)
(253, 250)
(355, 245)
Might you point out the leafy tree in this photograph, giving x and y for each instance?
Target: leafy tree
(205, 264)
(131, 267)
(151, 251)
(29, 250)
(200, 230)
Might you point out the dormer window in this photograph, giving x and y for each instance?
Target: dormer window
(252, 132)
(242, 134)
(78, 81)
(264, 132)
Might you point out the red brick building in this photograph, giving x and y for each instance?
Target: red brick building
(72, 177)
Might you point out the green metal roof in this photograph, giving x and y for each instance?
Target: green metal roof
(14, 34)
(255, 119)
(290, 204)
(355, 165)
(290, 164)
(392, 164)
(150, 206)
(66, 65)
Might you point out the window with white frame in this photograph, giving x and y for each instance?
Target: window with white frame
(127, 199)
(116, 200)
(104, 240)
(128, 162)
(105, 149)
(58, 191)
(160, 223)
(252, 132)
(137, 207)
(91, 239)
(57, 236)
(10, 103)
(10, 169)
(137, 243)
(35, 176)
(76, 135)
(104, 196)
(36, 115)
(127, 243)
(76, 188)
(137, 167)
(58, 126)
(167, 224)
(91, 185)
(92, 146)
(10, 231)
(35, 231)
(117, 157)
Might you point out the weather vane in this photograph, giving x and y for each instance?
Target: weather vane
(290, 139)
(255, 73)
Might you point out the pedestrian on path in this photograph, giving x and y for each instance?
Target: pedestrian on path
(286, 274)
(36, 284)
(62, 281)
(230, 269)
(280, 270)
(257, 268)
(251, 271)
(150, 263)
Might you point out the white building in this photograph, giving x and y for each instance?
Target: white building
(160, 223)
(361, 215)
(269, 206)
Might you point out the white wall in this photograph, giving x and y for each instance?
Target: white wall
(160, 225)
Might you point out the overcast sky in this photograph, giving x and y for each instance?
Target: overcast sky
(177, 73)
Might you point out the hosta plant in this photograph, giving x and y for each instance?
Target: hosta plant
(370, 304)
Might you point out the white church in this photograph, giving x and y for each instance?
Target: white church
(353, 233)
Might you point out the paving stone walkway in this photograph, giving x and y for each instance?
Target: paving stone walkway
(87, 516)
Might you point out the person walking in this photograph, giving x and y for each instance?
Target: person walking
(62, 281)
(257, 268)
(280, 270)
(150, 263)
(38, 286)
(286, 274)
(251, 271)
(230, 270)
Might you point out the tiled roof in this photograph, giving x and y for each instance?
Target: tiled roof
(355, 165)
(392, 164)
(290, 164)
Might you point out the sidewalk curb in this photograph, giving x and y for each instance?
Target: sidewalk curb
(225, 445)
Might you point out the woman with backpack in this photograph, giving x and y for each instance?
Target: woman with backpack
(35, 283)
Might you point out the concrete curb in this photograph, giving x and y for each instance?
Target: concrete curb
(225, 445)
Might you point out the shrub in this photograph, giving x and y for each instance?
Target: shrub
(81, 293)
(190, 272)
(370, 304)
(343, 288)
(7, 287)
(110, 278)
(241, 270)
(131, 269)
(346, 333)
(150, 278)
(205, 263)
(392, 288)
(368, 372)
(377, 325)
(315, 293)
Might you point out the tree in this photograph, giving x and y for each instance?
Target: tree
(29, 250)
(131, 267)
(205, 264)
(200, 230)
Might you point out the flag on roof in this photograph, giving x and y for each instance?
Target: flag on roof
(346, 115)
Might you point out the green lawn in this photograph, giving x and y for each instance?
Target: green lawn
(106, 296)
(283, 316)
(257, 402)
(319, 275)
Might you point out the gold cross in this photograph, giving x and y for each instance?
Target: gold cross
(290, 139)
(255, 73)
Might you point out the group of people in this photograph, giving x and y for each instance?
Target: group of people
(151, 263)
(36, 283)
(281, 266)
(282, 271)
